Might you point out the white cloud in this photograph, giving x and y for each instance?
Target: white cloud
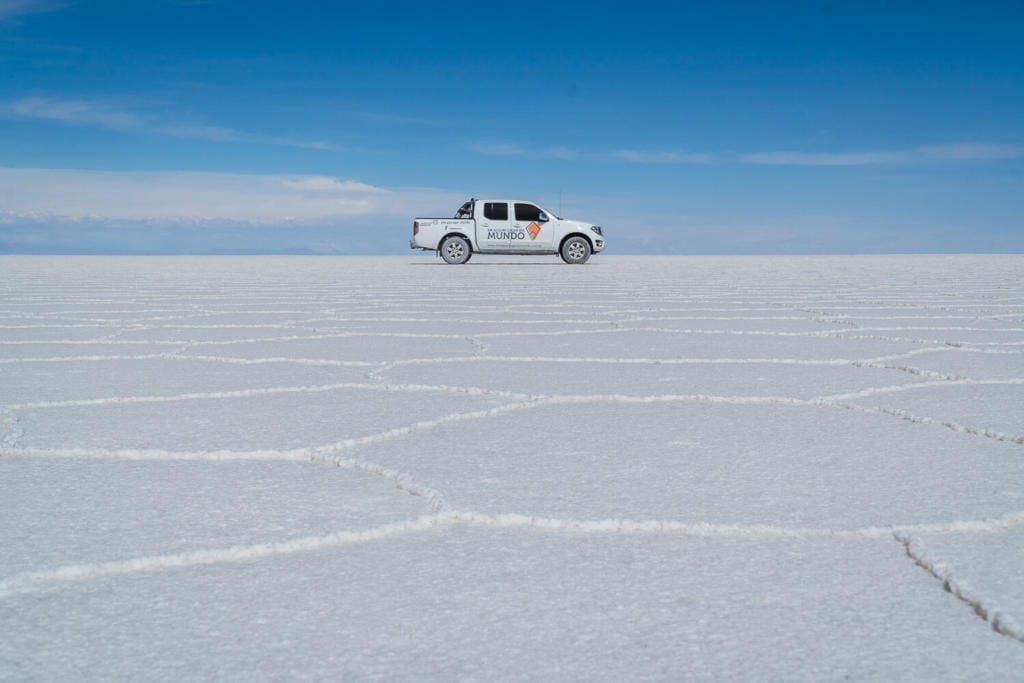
(961, 152)
(823, 159)
(81, 112)
(111, 115)
(33, 194)
(329, 184)
(972, 152)
(937, 153)
(498, 149)
(639, 157)
(214, 133)
(568, 154)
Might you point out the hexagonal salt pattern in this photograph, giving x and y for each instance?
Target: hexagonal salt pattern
(674, 468)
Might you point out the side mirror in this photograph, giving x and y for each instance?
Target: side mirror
(542, 217)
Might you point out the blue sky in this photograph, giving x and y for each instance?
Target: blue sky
(796, 127)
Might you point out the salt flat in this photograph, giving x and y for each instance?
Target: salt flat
(647, 467)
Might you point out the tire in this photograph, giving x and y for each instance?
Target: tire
(575, 250)
(455, 250)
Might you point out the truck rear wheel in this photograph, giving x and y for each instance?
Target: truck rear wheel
(576, 250)
(455, 250)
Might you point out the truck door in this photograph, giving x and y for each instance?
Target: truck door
(493, 227)
(531, 229)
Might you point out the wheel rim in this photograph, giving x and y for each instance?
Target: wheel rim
(454, 250)
(576, 251)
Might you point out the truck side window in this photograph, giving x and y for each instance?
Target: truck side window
(527, 212)
(496, 211)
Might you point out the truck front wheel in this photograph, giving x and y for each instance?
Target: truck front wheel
(455, 250)
(576, 250)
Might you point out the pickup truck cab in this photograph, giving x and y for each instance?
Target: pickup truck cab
(505, 226)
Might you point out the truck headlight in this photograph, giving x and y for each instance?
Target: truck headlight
(597, 229)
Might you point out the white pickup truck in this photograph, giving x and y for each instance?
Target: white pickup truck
(505, 226)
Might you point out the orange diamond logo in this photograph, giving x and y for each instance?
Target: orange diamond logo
(534, 230)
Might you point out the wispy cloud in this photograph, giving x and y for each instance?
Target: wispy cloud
(561, 153)
(972, 152)
(498, 149)
(642, 157)
(823, 158)
(568, 154)
(112, 115)
(948, 153)
(935, 153)
(222, 134)
(11, 9)
(329, 184)
(79, 112)
(33, 194)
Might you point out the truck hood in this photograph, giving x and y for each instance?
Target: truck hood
(582, 226)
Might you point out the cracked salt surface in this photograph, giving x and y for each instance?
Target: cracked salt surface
(510, 604)
(785, 462)
(978, 363)
(648, 467)
(153, 507)
(987, 405)
(978, 562)
(138, 376)
(645, 376)
(281, 418)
